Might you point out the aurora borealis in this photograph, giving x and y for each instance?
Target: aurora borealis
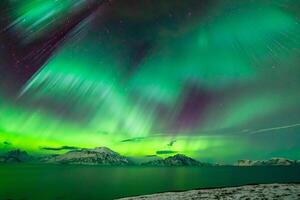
(216, 80)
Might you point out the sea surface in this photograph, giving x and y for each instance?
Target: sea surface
(43, 182)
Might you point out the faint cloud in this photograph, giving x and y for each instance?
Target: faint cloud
(171, 143)
(7, 143)
(60, 148)
(166, 152)
(134, 139)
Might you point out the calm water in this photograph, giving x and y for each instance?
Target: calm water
(92, 182)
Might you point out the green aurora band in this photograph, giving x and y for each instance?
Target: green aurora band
(245, 56)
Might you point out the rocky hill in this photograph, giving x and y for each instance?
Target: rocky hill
(176, 160)
(97, 156)
(271, 162)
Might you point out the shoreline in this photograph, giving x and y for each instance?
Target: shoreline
(288, 191)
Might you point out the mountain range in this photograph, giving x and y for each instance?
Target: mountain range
(97, 156)
(270, 162)
(16, 156)
(176, 160)
(108, 157)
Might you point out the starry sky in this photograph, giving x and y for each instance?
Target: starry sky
(216, 80)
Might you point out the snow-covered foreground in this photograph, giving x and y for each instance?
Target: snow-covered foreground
(249, 192)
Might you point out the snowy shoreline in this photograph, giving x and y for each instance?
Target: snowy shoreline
(261, 191)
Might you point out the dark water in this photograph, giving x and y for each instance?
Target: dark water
(44, 182)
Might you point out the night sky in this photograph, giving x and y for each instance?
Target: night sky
(216, 80)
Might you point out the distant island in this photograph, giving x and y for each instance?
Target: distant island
(107, 157)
